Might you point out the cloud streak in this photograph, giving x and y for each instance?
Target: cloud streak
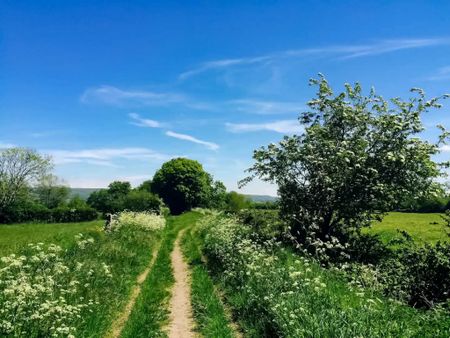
(261, 107)
(137, 120)
(104, 156)
(341, 51)
(282, 126)
(442, 73)
(189, 138)
(114, 96)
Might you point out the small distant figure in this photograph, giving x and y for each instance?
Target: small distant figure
(108, 222)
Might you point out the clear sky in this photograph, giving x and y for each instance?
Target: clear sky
(112, 89)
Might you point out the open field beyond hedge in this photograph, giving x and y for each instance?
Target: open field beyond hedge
(423, 227)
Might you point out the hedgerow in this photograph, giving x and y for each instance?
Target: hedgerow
(276, 292)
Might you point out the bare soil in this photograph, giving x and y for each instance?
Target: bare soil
(181, 324)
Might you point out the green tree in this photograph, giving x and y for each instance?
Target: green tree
(20, 169)
(76, 202)
(112, 199)
(182, 184)
(145, 186)
(358, 156)
(236, 202)
(51, 192)
(141, 200)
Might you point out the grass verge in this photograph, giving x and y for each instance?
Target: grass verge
(150, 312)
(208, 309)
(15, 236)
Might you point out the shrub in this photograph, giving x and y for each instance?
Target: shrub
(419, 275)
(24, 211)
(66, 214)
(142, 201)
(137, 220)
(266, 223)
(276, 293)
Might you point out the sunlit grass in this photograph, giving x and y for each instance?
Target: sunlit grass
(423, 227)
(15, 236)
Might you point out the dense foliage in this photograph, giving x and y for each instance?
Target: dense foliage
(20, 168)
(358, 156)
(120, 196)
(183, 184)
(277, 293)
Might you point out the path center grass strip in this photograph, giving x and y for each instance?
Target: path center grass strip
(208, 310)
(150, 313)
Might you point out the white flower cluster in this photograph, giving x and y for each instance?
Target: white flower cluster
(284, 291)
(146, 221)
(40, 292)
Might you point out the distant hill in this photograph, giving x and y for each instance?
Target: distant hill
(82, 192)
(261, 198)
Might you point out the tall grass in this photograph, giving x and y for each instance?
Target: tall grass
(49, 291)
(277, 293)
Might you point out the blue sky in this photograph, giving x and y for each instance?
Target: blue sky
(112, 89)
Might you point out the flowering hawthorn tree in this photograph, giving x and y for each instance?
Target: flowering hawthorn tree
(357, 158)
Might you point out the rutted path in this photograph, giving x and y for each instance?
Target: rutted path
(119, 324)
(181, 324)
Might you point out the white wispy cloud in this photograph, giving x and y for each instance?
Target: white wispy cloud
(137, 120)
(189, 138)
(113, 96)
(342, 51)
(104, 156)
(118, 97)
(223, 64)
(282, 126)
(442, 73)
(261, 107)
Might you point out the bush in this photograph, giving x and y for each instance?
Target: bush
(142, 201)
(266, 223)
(25, 211)
(426, 204)
(419, 275)
(276, 293)
(66, 214)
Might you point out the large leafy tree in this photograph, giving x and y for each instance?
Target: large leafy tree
(20, 168)
(50, 191)
(183, 184)
(358, 156)
(112, 199)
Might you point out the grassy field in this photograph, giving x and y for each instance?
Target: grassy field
(15, 236)
(422, 227)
